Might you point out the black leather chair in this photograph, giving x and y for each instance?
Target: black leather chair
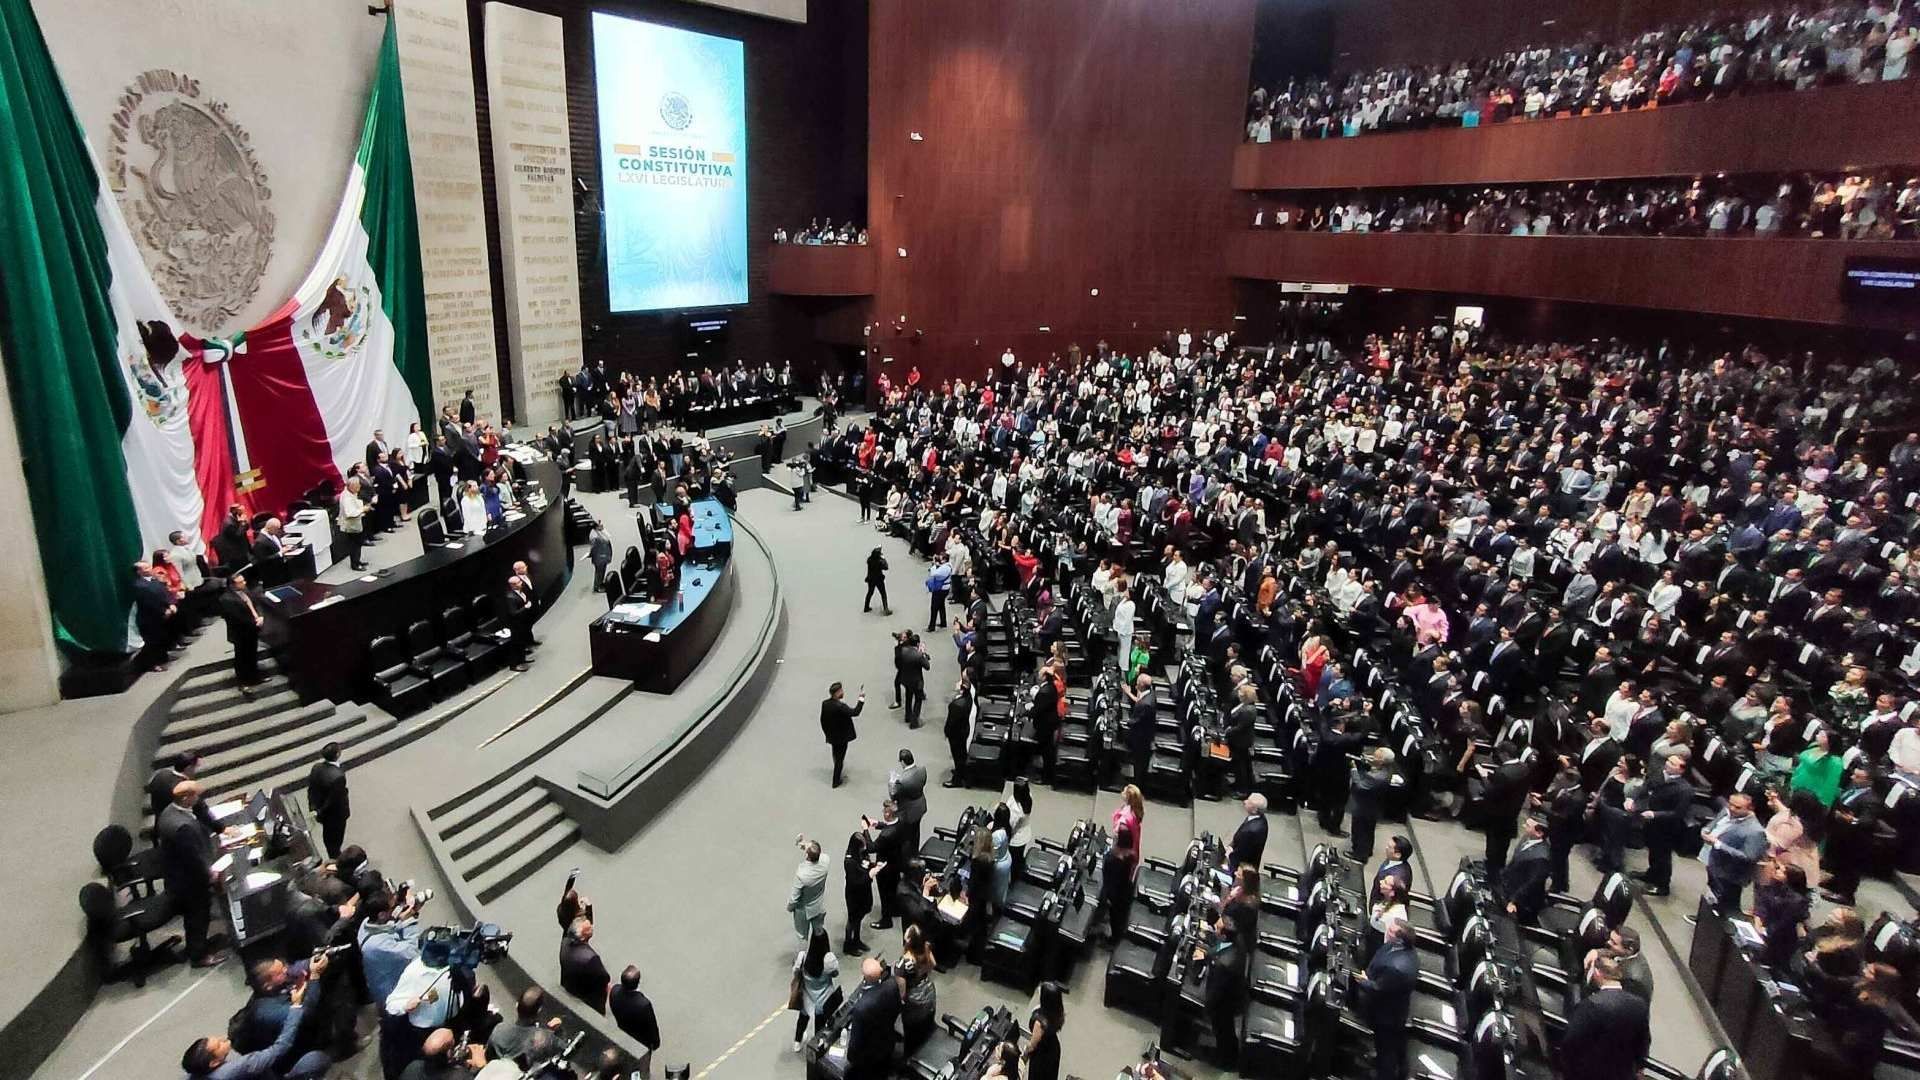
(481, 652)
(485, 613)
(439, 665)
(397, 687)
(128, 908)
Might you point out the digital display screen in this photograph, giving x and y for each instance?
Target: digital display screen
(673, 165)
(1885, 280)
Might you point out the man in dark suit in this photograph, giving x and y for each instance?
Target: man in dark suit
(519, 612)
(467, 410)
(1143, 720)
(1366, 798)
(907, 787)
(1250, 839)
(269, 559)
(836, 723)
(634, 1013)
(440, 464)
(1662, 806)
(1389, 981)
(327, 799)
(243, 632)
(1225, 993)
(1608, 1032)
(874, 1008)
(186, 859)
(152, 607)
(1523, 880)
(1505, 795)
(231, 546)
(581, 972)
(1394, 865)
(959, 728)
(167, 777)
(1850, 835)
(1331, 771)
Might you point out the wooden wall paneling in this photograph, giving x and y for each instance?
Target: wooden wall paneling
(821, 269)
(1066, 147)
(1767, 279)
(1828, 129)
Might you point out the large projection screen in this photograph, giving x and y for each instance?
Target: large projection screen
(673, 165)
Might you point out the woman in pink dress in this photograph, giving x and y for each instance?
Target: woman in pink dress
(1789, 840)
(1313, 662)
(1133, 807)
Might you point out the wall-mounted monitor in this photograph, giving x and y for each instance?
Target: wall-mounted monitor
(673, 165)
(1882, 279)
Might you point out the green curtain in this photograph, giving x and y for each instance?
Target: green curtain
(393, 232)
(60, 343)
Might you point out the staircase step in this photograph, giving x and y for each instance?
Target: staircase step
(481, 808)
(505, 843)
(223, 697)
(317, 728)
(239, 733)
(536, 853)
(240, 712)
(531, 802)
(390, 736)
(298, 758)
(219, 676)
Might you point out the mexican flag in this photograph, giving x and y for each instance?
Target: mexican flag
(131, 430)
(346, 356)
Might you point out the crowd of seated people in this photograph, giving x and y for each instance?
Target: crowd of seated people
(1882, 205)
(1785, 49)
(1650, 596)
(816, 233)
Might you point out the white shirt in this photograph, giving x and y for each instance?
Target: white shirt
(1022, 825)
(473, 514)
(184, 560)
(1123, 624)
(1905, 751)
(1175, 577)
(415, 982)
(1619, 715)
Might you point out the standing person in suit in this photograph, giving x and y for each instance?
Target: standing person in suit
(153, 606)
(327, 799)
(877, 582)
(907, 787)
(1505, 796)
(910, 664)
(519, 616)
(1143, 720)
(1250, 839)
(1523, 880)
(875, 1007)
(466, 408)
(1240, 725)
(959, 728)
(807, 900)
(1662, 805)
(581, 972)
(1394, 865)
(836, 723)
(600, 552)
(1849, 835)
(1735, 842)
(1608, 1034)
(243, 632)
(353, 523)
(160, 787)
(634, 1013)
(1389, 981)
(1364, 802)
(1225, 993)
(1332, 773)
(440, 465)
(186, 859)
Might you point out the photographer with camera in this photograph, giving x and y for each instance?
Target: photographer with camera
(443, 1056)
(910, 664)
(433, 992)
(214, 1056)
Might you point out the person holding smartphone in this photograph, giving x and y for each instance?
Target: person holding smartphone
(836, 723)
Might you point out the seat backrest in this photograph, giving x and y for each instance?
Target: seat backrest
(420, 637)
(111, 847)
(96, 902)
(453, 622)
(383, 652)
(481, 608)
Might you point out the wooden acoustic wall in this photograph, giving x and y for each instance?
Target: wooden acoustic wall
(1797, 280)
(1827, 129)
(1065, 146)
(820, 269)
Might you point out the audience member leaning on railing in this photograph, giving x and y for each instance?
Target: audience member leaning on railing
(816, 233)
(1880, 205)
(1784, 49)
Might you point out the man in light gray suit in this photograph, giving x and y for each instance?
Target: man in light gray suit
(808, 899)
(1735, 842)
(907, 787)
(600, 551)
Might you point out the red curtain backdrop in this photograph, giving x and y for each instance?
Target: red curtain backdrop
(286, 439)
(213, 464)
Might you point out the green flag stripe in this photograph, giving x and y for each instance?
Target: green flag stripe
(393, 234)
(60, 342)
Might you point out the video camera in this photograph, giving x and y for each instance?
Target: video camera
(445, 946)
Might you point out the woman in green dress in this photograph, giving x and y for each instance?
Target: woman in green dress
(1817, 770)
